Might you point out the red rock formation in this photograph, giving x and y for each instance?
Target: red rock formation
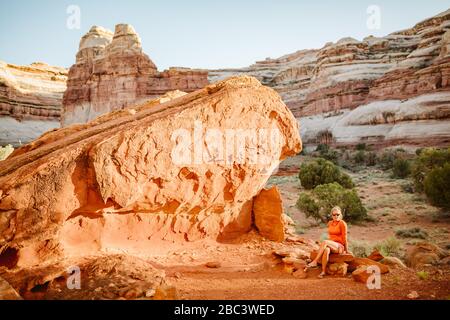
(122, 182)
(30, 101)
(111, 72)
(382, 91)
(267, 212)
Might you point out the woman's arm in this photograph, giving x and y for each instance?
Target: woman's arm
(344, 235)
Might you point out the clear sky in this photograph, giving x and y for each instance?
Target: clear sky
(197, 33)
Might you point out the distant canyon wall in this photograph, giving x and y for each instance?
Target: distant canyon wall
(30, 101)
(384, 91)
(392, 90)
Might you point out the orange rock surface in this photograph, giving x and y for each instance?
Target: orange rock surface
(112, 72)
(268, 210)
(116, 184)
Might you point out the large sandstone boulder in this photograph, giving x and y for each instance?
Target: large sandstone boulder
(142, 180)
(424, 253)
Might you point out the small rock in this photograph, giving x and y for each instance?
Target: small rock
(300, 273)
(213, 264)
(133, 293)
(98, 289)
(177, 275)
(361, 274)
(150, 293)
(393, 261)
(109, 295)
(412, 295)
(339, 268)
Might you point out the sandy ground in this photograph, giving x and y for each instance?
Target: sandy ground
(246, 268)
(247, 271)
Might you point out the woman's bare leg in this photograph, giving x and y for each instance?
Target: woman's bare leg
(319, 254)
(331, 245)
(325, 257)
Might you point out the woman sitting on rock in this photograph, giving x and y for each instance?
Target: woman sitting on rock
(336, 243)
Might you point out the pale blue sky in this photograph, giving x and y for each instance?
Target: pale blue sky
(197, 33)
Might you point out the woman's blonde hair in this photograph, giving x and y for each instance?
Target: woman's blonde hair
(338, 209)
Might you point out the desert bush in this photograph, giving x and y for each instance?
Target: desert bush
(361, 146)
(371, 159)
(387, 159)
(401, 168)
(331, 155)
(415, 233)
(324, 151)
(5, 151)
(322, 147)
(429, 159)
(326, 196)
(423, 275)
(390, 247)
(436, 186)
(419, 151)
(359, 157)
(322, 171)
(359, 249)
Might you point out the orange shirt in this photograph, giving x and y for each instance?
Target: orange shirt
(337, 231)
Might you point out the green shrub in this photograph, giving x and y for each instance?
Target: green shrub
(326, 196)
(359, 249)
(401, 168)
(390, 247)
(361, 146)
(331, 155)
(322, 147)
(436, 186)
(387, 159)
(5, 151)
(322, 171)
(307, 204)
(415, 233)
(429, 159)
(371, 159)
(423, 275)
(360, 157)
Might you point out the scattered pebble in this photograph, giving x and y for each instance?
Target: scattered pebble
(150, 293)
(412, 295)
(213, 264)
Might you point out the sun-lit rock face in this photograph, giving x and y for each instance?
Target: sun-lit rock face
(112, 72)
(381, 90)
(142, 179)
(30, 101)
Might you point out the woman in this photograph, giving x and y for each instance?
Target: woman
(336, 243)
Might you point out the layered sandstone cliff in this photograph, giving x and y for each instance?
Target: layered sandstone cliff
(30, 101)
(111, 72)
(142, 179)
(383, 91)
